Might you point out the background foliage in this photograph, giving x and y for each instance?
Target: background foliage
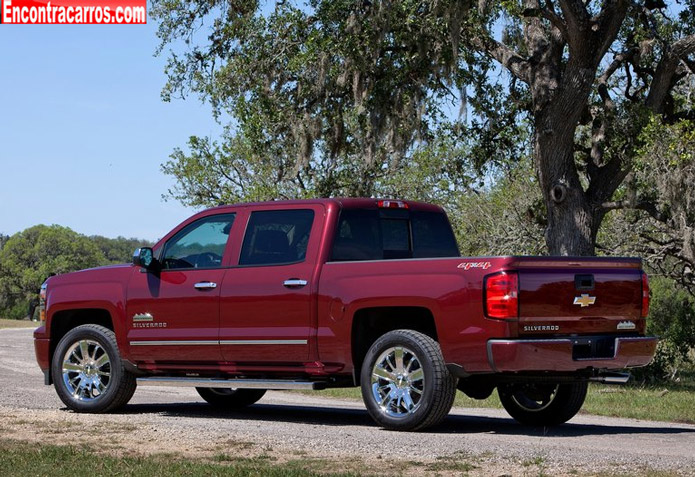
(448, 102)
(482, 107)
(29, 257)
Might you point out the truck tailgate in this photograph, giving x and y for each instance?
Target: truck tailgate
(579, 296)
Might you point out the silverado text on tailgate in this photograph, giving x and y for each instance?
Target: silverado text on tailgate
(315, 294)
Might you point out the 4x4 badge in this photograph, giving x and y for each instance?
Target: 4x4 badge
(584, 300)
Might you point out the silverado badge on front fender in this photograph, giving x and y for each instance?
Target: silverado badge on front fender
(140, 317)
(584, 300)
(146, 320)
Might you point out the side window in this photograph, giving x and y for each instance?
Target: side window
(198, 245)
(432, 236)
(276, 237)
(358, 236)
(368, 234)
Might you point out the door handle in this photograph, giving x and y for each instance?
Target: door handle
(205, 285)
(295, 283)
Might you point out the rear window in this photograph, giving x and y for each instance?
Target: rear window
(380, 234)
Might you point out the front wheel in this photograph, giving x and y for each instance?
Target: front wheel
(88, 372)
(230, 398)
(405, 383)
(541, 404)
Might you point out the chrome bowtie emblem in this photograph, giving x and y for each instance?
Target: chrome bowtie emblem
(584, 300)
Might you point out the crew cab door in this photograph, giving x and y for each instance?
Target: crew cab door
(266, 300)
(173, 314)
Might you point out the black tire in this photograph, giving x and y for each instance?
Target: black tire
(543, 404)
(421, 385)
(88, 372)
(230, 398)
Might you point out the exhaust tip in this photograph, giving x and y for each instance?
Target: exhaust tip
(611, 378)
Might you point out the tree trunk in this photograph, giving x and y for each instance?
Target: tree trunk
(560, 90)
(572, 221)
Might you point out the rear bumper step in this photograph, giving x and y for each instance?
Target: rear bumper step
(229, 383)
(558, 354)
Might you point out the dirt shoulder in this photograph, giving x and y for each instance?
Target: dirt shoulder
(118, 435)
(193, 431)
(332, 434)
(17, 324)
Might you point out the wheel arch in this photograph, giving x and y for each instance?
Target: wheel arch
(369, 323)
(64, 320)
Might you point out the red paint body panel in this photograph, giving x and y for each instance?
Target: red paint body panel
(187, 313)
(307, 330)
(556, 355)
(547, 295)
(256, 306)
(452, 296)
(101, 288)
(42, 349)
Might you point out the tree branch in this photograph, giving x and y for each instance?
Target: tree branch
(577, 20)
(608, 23)
(550, 14)
(648, 207)
(666, 70)
(684, 46)
(605, 180)
(617, 62)
(598, 130)
(517, 65)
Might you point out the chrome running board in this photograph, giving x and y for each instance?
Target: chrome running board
(229, 383)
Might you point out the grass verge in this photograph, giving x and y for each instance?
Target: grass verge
(18, 459)
(17, 323)
(675, 403)
(21, 459)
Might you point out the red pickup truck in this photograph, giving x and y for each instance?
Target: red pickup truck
(314, 294)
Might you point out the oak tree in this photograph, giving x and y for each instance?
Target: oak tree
(31, 256)
(338, 94)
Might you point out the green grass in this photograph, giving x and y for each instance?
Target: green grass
(19, 459)
(459, 462)
(17, 323)
(674, 403)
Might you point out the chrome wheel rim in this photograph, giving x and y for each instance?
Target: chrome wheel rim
(86, 370)
(535, 398)
(398, 382)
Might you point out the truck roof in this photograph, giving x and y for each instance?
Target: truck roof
(343, 202)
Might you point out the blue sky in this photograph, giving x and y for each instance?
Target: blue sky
(83, 130)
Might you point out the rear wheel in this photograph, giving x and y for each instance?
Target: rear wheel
(405, 383)
(230, 398)
(88, 372)
(541, 404)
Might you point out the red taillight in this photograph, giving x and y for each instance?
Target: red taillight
(645, 295)
(392, 204)
(502, 295)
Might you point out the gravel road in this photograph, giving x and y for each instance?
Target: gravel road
(288, 424)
